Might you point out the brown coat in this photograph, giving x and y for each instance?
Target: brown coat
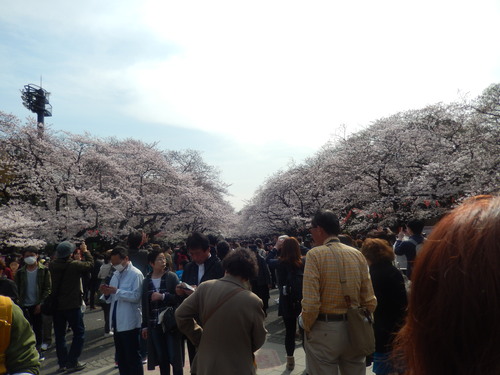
(226, 343)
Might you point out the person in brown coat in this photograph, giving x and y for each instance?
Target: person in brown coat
(231, 319)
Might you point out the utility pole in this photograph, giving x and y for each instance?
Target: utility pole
(36, 99)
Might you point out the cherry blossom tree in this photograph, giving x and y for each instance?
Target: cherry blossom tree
(416, 163)
(73, 186)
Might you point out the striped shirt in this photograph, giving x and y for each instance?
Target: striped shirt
(322, 290)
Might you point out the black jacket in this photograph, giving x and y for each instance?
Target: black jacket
(213, 270)
(390, 291)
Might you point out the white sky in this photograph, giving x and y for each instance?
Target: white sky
(252, 84)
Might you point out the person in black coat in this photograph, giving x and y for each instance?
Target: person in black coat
(392, 301)
(290, 271)
(211, 268)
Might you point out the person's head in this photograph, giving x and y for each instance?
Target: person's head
(452, 325)
(279, 241)
(222, 249)
(241, 263)
(30, 255)
(415, 227)
(324, 224)
(119, 258)
(198, 247)
(157, 260)
(259, 243)
(64, 250)
(134, 239)
(290, 252)
(377, 250)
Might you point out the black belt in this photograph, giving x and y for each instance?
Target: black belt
(332, 317)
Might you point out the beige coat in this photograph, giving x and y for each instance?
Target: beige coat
(228, 340)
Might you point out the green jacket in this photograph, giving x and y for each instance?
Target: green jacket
(42, 279)
(66, 280)
(21, 354)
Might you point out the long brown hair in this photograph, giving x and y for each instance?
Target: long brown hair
(453, 321)
(377, 250)
(290, 252)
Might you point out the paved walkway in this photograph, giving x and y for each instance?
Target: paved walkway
(99, 351)
(271, 360)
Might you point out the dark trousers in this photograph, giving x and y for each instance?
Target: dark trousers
(128, 352)
(168, 350)
(36, 323)
(191, 350)
(106, 307)
(93, 288)
(290, 330)
(73, 318)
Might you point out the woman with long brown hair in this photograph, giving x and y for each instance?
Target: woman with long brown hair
(453, 320)
(290, 271)
(389, 288)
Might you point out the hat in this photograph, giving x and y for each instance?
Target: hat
(64, 249)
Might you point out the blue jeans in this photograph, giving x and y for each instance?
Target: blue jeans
(128, 352)
(74, 318)
(168, 349)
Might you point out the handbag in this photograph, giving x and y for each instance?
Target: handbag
(167, 320)
(360, 327)
(359, 321)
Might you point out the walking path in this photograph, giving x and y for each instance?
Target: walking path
(99, 351)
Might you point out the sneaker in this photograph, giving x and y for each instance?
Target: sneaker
(116, 364)
(78, 367)
(61, 370)
(145, 361)
(108, 334)
(41, 356)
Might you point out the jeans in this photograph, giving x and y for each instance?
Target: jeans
(35, 321)
(168, 350)
(74, 318)
(128, 352)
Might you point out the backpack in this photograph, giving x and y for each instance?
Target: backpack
(418, 246)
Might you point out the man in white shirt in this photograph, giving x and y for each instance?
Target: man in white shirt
(124, 295)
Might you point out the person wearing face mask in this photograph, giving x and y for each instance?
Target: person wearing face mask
(124, 294)
(34, 285)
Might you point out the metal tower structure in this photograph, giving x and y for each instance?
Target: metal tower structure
(36, 99)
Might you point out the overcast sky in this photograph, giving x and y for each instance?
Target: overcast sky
(253, 85)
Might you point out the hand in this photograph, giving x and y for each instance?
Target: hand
(179, 291)
(189, 291)
(144, 333)
(157, 296)
(401, 235)
(83, 246)
(112, 289)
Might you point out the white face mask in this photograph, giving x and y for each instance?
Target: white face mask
(119, 267)
(30, 260)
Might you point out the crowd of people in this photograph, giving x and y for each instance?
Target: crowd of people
(433, 300)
